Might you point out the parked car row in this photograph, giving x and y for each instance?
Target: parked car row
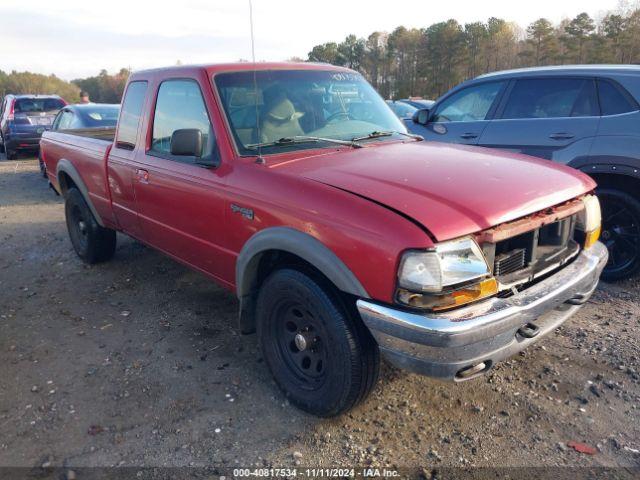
(587, 117)
(344, 237)
(94, 119)
(23, 119)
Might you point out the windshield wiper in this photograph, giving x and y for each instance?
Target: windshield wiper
(386, 133)
(285, 141)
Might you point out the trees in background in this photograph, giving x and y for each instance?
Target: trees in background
(103, 88)
(426, 61)
(26, 82)
(429, 61)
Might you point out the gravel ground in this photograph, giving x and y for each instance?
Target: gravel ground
(138, 362)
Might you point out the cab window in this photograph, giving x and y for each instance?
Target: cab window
(180, 105)
(468, 105)
(130, 115)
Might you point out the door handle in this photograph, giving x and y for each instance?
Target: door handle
(469, 135)
(143, 175)
(561, 136)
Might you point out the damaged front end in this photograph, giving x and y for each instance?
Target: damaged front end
(538, 272)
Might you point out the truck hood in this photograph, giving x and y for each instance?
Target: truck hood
(451, 190)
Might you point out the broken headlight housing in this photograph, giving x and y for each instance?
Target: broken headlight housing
(451, 274)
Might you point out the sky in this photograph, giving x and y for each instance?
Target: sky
(74, 38)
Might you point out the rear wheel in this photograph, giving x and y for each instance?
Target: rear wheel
(321, 356)
(620, 233)
(92, 243)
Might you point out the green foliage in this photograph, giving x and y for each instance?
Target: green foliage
(427, 62)
(104, 88)
(27, 82)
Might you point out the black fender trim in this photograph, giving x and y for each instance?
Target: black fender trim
(611, 168)
(66, 167)
(297, 243)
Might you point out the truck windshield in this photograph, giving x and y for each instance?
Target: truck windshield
(289, 104)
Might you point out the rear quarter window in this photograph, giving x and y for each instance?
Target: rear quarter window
(614, 100)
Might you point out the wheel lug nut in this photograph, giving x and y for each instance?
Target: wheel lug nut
(301, 342)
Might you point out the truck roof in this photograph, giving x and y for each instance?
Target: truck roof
(212, 68)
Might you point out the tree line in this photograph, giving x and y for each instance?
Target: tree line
(419, 61)
(429, 61)
(102, 88)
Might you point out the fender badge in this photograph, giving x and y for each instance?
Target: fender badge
(245, 212)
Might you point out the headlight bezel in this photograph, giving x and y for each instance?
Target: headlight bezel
(440, 259)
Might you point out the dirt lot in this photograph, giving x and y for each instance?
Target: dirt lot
(138, 362)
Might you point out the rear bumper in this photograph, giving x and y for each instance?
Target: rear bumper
(466, 342)
(23, 140)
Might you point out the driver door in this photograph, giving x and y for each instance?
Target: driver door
(462, 116)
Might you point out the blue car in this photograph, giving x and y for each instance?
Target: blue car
(587, 117)
(23, 118)
(97, 120)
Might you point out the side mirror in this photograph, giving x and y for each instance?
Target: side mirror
(421, 116)
(187, 142)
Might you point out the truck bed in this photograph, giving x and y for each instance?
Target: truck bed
(87, 151)
(101, 133)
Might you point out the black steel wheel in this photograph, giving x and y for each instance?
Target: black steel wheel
(301, 339)
(320, 354)
(620, 233)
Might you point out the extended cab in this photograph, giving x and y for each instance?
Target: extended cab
(297, 188)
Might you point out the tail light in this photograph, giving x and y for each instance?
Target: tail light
(11, 109)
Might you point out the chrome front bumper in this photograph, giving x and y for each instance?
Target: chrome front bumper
(466, 342)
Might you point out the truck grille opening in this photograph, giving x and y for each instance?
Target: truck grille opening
(521, 258)
(509, 262)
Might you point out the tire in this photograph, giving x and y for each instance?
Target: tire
(11, 154)
(620, 233)
(92, 243)
(320, 354)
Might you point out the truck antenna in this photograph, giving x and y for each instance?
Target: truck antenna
(260, 158)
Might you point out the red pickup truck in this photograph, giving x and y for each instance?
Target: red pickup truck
(297, 188)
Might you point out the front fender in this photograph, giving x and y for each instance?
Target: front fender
(294, 242)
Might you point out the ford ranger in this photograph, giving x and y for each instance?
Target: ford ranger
(343, 236)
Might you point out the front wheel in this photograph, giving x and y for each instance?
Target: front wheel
(92, 243)
(321, 356)
(620, 233)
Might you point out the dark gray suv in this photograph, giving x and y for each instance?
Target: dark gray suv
(587, 117)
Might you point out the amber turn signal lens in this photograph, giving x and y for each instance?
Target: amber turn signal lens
(446, 301)
(591, 237)
(469, 294)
